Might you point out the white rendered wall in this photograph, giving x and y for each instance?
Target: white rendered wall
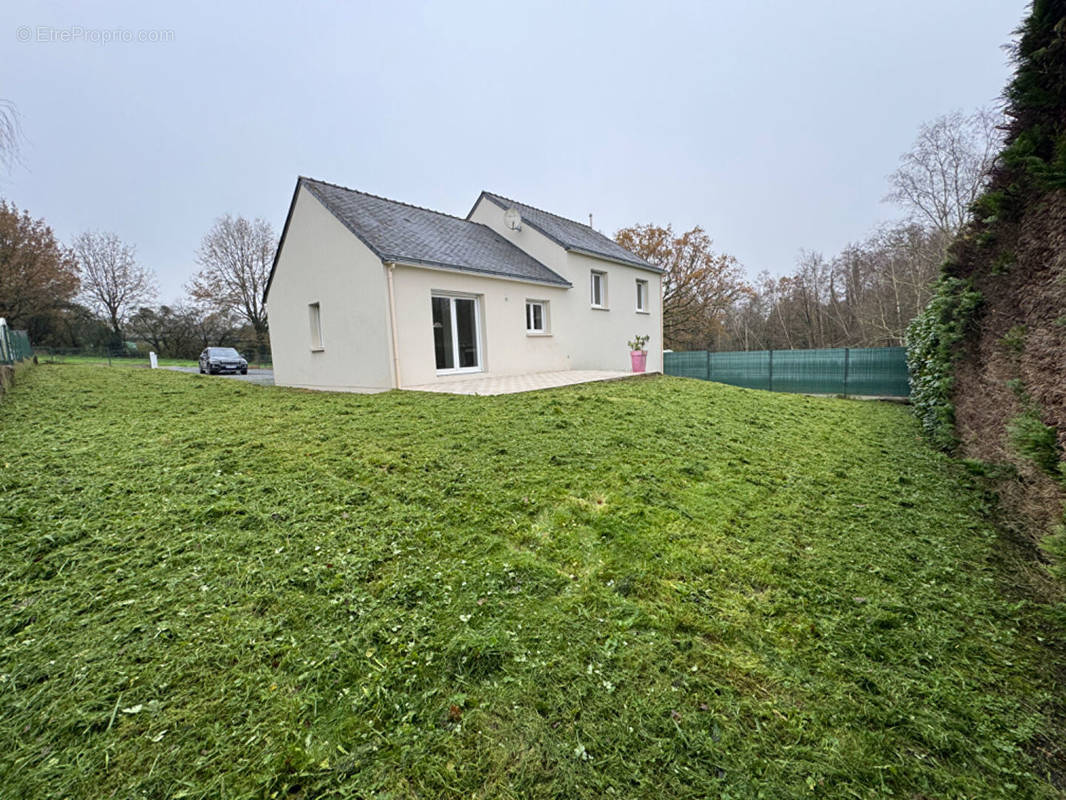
(506, 347)
(323, 262)
(594, 338)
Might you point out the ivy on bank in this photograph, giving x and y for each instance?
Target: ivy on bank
(932, 338)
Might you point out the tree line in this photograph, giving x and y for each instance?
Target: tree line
(864, 296)
(94, 293)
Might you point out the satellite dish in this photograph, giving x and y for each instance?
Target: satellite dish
(513, 219)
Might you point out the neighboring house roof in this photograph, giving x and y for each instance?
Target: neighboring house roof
(569, 234)
(411, 235)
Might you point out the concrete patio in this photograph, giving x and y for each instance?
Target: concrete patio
(512, 384)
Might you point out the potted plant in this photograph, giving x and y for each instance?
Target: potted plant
(637, 354)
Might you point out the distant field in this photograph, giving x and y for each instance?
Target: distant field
(650, 588)
(125, 361)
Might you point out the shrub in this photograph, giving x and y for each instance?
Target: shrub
(931, 341)
(1003, 262)
(1014, 339)
(989, 206)
(1034, 440)
(1054, 545)
(1017, 386)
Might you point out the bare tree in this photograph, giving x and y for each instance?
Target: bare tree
(10, 134)
(235, 258)
(864, 297)
(947, 168)
(214, 327)
(113, 284)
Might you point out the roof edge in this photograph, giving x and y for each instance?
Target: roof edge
(498, 200)
(380, 197)
(404, 261)
(302, 181)
(387, 257)
(644, 265)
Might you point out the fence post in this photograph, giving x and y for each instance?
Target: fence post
(847, 354)
(771, 382)
(708, 364)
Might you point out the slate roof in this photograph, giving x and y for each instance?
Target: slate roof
(569, 234)
(408, 234)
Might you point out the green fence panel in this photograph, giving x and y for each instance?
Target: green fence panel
(22, 346)
(879, 371)
(14, 346)
(876, 371)
(688, 365)
(749, 368)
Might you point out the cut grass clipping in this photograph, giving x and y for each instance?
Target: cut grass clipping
(659, 588)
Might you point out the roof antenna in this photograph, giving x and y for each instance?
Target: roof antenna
(590, 219)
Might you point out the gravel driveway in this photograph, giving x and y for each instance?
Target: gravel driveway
(263, 377)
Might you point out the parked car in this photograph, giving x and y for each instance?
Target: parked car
(215, 360)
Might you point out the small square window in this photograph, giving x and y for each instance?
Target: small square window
(599, 289)
(315, 314)
(536, 316)
(642, 295)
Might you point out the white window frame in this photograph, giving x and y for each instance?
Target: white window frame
(452, 297)
(544, 329)
(593, 275)
(642, 296)
(314, 313)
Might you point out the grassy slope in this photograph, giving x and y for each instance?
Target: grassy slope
(660, 587)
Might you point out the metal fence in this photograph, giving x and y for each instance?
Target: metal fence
(14, 345)
(868, 371)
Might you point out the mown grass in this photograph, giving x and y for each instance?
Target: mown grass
(652, 588)
(116, 361)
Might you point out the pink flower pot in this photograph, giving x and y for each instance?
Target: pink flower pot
(639, 359)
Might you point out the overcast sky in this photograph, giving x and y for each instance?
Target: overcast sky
(771, 124)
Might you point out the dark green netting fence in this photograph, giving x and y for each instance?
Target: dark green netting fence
(14, 345)
(873, 371)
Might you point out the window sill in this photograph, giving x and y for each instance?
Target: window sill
(646, 313)
(444, 373)
(318, 349)
(599, 308)
(538, 334)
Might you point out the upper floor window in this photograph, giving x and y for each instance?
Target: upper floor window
(599, 289)
(642, 295)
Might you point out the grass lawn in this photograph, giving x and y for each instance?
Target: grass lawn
(130, 361)
(125, 361)
(651, 588)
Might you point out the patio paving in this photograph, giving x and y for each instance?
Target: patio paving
(512, 384)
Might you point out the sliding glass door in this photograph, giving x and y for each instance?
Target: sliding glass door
(456, 334)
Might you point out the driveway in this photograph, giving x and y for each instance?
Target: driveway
(263, 377)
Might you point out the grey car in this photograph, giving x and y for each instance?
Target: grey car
(215, 360)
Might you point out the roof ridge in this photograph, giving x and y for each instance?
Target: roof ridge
(542, 211)
(386, 199)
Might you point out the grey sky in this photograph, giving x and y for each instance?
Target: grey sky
(772, 124)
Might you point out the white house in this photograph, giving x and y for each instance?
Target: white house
(368, 294)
